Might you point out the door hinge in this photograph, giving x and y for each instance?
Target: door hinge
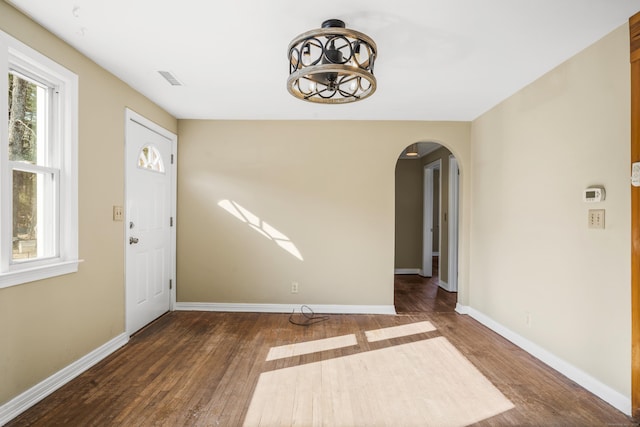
(170, 284)
(172, 159)
(170, 221)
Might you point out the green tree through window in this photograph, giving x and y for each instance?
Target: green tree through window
(23, 141)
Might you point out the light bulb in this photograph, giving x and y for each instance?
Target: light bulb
(356, 53)
(306, 54)
(312, 86)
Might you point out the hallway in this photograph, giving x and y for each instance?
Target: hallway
(417, 294)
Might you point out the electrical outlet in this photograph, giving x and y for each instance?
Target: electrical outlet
(118, 213)
(294, 287)
(596, 218)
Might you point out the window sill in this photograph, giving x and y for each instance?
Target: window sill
(18, 277)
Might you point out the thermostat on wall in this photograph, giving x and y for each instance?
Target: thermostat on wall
(594, 194)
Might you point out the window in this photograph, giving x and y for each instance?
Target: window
(38, 166)
(150, 159)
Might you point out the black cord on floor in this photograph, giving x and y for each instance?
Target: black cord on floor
(308, 318)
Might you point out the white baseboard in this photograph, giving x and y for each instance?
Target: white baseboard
(462, 309)
(27, 399)
(603, 391)
(285, 308)
(407, 271)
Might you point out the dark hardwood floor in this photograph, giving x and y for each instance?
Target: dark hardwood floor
(416, 294)
(201, 368)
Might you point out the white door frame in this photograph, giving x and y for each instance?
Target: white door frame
(454, 215)
(427, 218)
(132, 116)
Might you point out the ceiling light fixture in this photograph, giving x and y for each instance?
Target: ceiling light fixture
(332, 65)
(412, 150)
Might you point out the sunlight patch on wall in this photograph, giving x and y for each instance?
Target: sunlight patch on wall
(260, 226)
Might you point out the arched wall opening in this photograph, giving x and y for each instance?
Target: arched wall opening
(427, 199)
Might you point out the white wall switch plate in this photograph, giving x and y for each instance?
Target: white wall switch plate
(118, 213)
(596, 218)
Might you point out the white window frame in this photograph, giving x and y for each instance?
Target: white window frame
(16, 55)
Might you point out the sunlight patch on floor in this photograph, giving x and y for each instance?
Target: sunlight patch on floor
(427, 382)
(399, 331)
(311, 347)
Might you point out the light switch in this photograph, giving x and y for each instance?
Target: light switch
(118, 213)
(596, 218)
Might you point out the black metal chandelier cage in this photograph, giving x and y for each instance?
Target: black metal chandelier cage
(332, 65)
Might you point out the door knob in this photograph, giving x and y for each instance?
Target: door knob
(133, 240)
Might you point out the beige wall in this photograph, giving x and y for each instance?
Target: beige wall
(531, 251)
(333, 196)
(46, 325)
(408, 229)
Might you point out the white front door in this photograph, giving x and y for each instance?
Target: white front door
(148, 237)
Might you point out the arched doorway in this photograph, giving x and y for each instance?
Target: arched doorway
(426, 238)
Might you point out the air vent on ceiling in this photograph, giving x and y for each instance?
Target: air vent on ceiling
(171, 78)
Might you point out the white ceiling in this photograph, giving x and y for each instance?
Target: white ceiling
(437, 59)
